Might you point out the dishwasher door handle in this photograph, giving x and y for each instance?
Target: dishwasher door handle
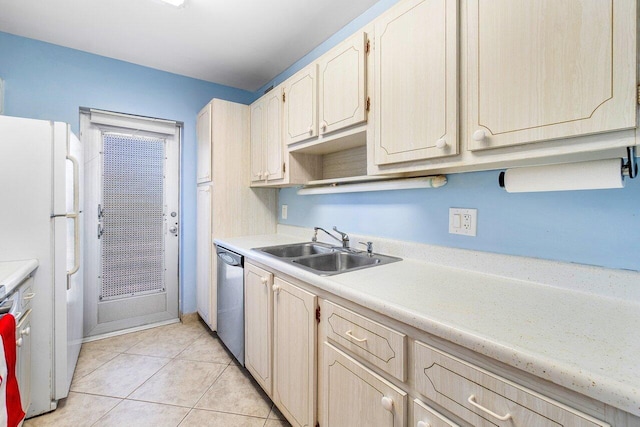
(228, 259)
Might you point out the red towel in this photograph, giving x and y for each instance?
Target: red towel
(8, 380)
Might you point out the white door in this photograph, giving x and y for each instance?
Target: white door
(132, 218)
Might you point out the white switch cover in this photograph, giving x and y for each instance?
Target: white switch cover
(463, 221)
(285, 208)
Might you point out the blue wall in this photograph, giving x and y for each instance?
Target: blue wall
(50, 82)
(597, 227)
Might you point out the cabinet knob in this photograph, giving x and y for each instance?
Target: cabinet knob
(311, 130)
(387, 403)
(323, 126)
(19, 342)
(423, 424)
(441, 143)
(26, 331)
(479, 135)
(264, 280)
(276, 289)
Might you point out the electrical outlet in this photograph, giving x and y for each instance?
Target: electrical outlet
(285, 208)
(463, 221)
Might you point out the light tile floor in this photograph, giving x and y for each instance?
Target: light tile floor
(175, 375)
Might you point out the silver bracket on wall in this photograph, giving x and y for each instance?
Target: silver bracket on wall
(630, 168)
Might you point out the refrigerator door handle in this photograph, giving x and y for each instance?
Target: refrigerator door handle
(75, 216)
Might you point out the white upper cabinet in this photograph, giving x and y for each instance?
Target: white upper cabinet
(548, 69)
(257, 140)
(273, 135)
(266, 138)
(300, 105)
(203, 136)
(416, 84)
(342, 95)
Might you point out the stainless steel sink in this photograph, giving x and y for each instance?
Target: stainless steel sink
(326, 260)
(297, 250)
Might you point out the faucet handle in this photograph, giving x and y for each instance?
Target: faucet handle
(369, 246)
(345, 237)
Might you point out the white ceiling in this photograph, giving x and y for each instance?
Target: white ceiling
(239, 43)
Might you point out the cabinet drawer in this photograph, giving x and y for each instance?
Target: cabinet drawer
(484, 399)
(424, 416)
(373, 342)
(356, 396)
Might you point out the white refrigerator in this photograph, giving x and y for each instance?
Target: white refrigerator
(41, 207)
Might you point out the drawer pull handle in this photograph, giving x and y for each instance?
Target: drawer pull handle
(28, 296)
(350, 335)
(387, 403)
(472, 400)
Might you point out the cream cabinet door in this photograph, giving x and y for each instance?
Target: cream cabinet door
(294, 353)
(342, 77)
(23, 360)
(355, 396)
(204, 250)
(258, 317)
(546, 69)
(416, 84)
(300, 108)
(272, 123)
(203, 136)
(257, 141)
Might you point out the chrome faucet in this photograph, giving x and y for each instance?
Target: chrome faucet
(344, 236)
(369, 246)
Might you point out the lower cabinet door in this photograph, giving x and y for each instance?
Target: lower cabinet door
(294, 351)
(258, 317)
(356, 396)
(23, 359)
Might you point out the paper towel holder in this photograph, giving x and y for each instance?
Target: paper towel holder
(630, 168)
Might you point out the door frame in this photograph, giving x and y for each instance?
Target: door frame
(143, 126)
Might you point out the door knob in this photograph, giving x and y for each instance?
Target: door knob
(479, 135)
(387, 403)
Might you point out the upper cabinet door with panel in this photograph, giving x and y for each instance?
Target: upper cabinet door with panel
(300, 105)
(257, 141)
(343, 80)
(416, 84)
(547, 69)
(273, 135)
(266, 138)
(203, 136)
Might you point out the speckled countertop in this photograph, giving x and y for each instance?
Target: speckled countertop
(12, 273)
(585, 342)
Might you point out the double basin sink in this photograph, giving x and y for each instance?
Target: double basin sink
(326, 260)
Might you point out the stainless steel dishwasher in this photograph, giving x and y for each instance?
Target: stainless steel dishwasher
(231, 301)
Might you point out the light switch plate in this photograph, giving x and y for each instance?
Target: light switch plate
(285, 209)
(463, 221)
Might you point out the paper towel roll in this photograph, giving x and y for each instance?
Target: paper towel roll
(569, 176)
